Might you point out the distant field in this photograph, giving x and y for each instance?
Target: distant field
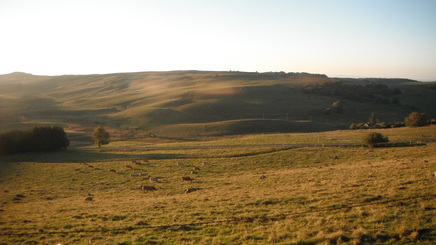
(196, 104)
(310, 195)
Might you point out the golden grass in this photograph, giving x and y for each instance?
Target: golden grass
(311, 195)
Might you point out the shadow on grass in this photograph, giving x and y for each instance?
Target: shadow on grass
(74, 156)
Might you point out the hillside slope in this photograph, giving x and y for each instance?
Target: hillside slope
(201, 103)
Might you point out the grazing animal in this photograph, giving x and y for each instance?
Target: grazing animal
(205, 163)
(153, 179)
(129, 167)
(134, 175)
(145, 160)
(179, 164)
(193, 172)
(90, 166)
(137, 163)
(189, 190)
(196, 168)
(112, 171)
(187, 178)
(262, 177)
(89, 199)
(143, 174)
(148, 188)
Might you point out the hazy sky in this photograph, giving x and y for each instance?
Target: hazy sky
(365, 38)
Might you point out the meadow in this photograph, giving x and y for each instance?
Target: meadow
(241, 195)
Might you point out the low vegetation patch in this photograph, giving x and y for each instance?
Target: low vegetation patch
(375, 139)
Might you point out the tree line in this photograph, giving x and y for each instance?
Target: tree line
(374, 93)
(37, 139)
(415, 119)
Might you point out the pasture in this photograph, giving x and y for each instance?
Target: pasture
(308, 195)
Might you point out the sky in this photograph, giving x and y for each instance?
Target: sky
(352, 38)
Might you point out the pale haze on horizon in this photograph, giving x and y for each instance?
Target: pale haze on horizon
(366, 38)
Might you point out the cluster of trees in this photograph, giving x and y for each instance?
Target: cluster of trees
(375, 93)
(43, 139)
(37, 139)
(415, 119)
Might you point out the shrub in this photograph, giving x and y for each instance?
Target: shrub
(361, 126)
(416, 119)
(375, 139)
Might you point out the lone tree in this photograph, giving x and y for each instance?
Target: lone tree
(375, 139)
(337, 106)
(372, 120)
(416, 119)
(101, 136)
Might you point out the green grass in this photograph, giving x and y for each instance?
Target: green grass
(311, 195)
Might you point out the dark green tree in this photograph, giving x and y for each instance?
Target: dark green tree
(37, 139)
(101, 136)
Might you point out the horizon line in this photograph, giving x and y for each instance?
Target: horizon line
(229, 71)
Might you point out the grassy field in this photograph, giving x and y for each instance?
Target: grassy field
(310, 195)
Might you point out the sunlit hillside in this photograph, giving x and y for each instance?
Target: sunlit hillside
(182, 104)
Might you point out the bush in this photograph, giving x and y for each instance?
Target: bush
(38, 139)
(375, 139)
(416, 119)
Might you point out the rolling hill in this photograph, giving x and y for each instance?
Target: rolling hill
(191, 104)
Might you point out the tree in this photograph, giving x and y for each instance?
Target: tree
(374, 139)
(101, 136)
(372, 120)
(353, 126)
(416, 119)
(337, 107)
(37, 139)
